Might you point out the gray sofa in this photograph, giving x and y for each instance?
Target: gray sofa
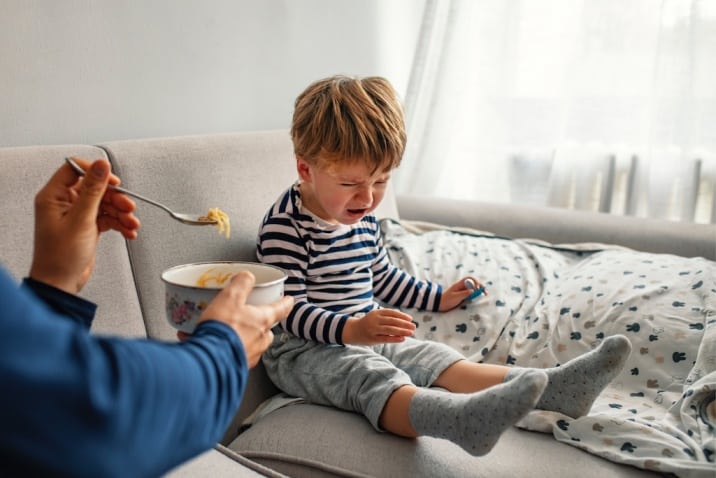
(242, 173)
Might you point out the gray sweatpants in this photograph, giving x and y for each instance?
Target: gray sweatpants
(354, 377)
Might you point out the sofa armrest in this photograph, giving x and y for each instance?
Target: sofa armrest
(562, 226)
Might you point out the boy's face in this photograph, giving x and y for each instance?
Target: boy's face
(343, 193)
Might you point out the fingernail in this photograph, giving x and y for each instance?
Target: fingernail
(98, 170)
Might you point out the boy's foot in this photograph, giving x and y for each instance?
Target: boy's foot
(476, 421)
(574, 386)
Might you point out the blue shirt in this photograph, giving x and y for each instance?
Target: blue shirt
(77, 404)
(335, 271)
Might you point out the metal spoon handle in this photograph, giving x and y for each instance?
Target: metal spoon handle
(140, 197)
(120, 189)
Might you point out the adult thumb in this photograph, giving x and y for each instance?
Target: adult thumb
(94, 184)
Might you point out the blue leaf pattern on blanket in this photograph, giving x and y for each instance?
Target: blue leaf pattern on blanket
(546, 305)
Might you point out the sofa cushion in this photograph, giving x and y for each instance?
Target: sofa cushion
(26, 170)
(305, 440)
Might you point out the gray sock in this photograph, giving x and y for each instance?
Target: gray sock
(475, 421)
(574, 386)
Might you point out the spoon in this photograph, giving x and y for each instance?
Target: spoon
(191, 219)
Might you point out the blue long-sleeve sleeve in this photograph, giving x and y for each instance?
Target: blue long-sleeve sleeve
(77, 404)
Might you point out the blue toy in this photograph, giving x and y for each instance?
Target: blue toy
(476, 292)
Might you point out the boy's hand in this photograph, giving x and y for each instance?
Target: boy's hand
(378, 326)
(454, 295)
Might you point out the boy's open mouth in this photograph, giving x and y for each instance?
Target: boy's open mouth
(358, 211)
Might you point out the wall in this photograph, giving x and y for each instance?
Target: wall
(87, 71)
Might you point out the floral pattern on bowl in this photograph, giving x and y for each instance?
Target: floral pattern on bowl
(182, 311)
(188, 293)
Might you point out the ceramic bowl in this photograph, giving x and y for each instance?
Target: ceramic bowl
(190, 287)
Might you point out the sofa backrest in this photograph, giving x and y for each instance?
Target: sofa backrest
(25, 171)
(240, 173)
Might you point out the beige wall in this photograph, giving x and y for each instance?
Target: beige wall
(86, 71)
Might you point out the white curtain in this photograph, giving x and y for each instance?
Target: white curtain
(607, 105)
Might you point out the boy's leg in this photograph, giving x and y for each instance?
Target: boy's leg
(434, 364)
(351, 378)
(475, 421)
(573, 387)
(467, 377)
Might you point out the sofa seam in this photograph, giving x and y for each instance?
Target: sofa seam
(116, 168)
(316, 465)
(248, 463)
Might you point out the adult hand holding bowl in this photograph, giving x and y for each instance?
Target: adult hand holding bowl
(191, 287)
(247, 296)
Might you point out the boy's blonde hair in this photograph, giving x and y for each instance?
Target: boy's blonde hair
(349, 119)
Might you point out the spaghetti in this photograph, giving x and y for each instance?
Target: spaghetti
(221, 218)
(210, 276)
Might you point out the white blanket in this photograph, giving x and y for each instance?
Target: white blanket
(548, 304)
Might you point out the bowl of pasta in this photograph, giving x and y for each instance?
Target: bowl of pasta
(190, 287)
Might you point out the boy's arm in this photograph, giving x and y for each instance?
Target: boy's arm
(280, 244)
(398, 288)
(379, 326)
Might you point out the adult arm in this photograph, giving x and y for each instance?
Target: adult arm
(78, 404)
(68, 306)
(75, 404)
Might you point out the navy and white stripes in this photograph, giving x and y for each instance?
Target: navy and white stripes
(334, 270)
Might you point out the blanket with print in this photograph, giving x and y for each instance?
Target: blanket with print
(549, 304)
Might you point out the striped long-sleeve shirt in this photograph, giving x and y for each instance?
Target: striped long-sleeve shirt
(335, 271)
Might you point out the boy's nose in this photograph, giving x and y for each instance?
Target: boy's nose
(365, 195)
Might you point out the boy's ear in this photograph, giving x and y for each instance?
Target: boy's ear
(303, 168)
